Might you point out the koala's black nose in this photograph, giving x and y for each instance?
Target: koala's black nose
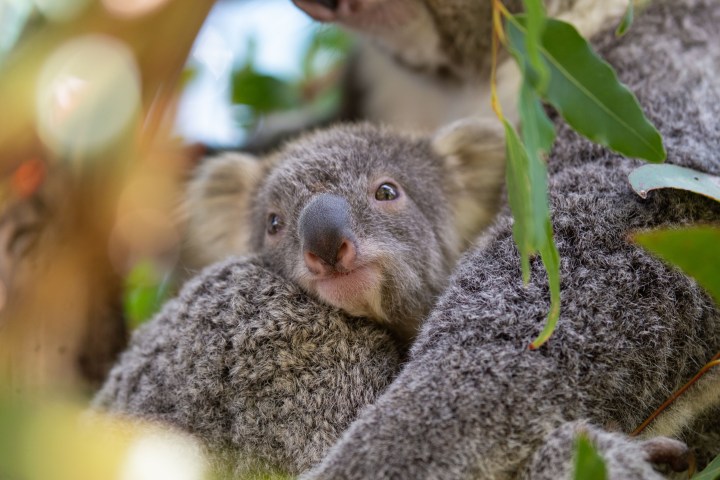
(325, 230)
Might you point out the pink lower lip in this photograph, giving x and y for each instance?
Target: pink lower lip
(339, 288)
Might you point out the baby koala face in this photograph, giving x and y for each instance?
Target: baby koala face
(363, 218)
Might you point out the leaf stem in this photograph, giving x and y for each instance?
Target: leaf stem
(713, 363)
(498, 36)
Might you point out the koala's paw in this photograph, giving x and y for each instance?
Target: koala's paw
(625, 458)
(667, 451)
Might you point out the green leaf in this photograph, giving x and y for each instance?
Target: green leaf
(145, 292)
(535, 11)
(693, 249)
(589, 465)
(527, 194)
(711, 472)
(519, 186)
(538, 136)
(627, 20)
(653, 177)
(538, 131)
(586, 91)
(263, 93)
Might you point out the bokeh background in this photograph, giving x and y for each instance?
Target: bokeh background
(107, 106)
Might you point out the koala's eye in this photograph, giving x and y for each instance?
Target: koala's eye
(274, 224)
(387, 191)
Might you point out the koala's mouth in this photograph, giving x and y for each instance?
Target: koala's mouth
(357, 292)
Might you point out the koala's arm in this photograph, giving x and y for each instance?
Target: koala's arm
(473, 401)
(624, 458)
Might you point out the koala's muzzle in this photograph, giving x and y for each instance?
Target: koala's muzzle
(326, 236)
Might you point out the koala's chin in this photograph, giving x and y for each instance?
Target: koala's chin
(357, 292)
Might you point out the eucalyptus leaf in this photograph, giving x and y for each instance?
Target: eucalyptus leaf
(652, 177)
(538, 136)
(627, 20)
(538, 132)
(695, 250)
(519, 185)
(711, 472)
(586, 91)
(527, 194)
(535, 12)
(589, 465)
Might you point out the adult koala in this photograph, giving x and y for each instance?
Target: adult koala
(437, 51)
(473, 401)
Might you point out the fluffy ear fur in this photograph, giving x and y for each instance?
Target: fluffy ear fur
(474, 151)
(216, 208)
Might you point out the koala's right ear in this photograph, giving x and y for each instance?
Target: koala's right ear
(473, 150)
(216, 208)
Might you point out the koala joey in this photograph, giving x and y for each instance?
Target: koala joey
(364, 218)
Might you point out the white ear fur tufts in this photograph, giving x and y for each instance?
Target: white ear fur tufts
(470, 136)
(473, 150)
(216, 208)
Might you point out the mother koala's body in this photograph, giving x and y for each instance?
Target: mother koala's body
(473, 401)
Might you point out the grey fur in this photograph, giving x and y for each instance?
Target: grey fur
(473, 401)
(624, 458)
(252, 366)
(412, 243)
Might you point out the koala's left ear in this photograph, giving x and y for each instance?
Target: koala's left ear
(216, 208)
(474, 153)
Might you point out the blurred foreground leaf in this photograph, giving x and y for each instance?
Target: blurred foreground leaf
(711, 472)
(589, 465)
(45, 441)
(60, 440)
(696, 250)
(652, 177)
(586, 91)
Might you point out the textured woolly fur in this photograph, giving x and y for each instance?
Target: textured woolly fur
(473, 401)
(252, 366)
